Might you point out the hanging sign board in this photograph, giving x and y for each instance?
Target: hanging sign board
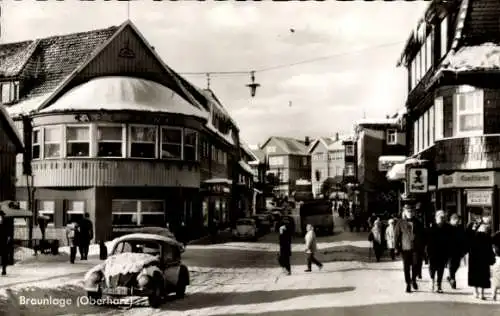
(418, 180)
(479, 198)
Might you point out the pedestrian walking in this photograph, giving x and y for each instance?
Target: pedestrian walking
(72, 236)
(376, 238)
(495, 273)
(409, 237)
(438, 244)
(86, 234)
(390, 239)
(481, 255)
(311, 248)
(4, 242)
(284, 256)
(457, 248)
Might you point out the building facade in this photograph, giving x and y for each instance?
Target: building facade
(288, 161)
(327, 162)
(453, 105)
(380, 143)
(116, 133)
(261, 187)
(11, 145)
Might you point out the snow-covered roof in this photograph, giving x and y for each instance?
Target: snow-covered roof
(227, 137)
(12, 126)
(375, 121)
(481, 57)
(218, 180)
(26, 106)
(246, 167)
(392, 158)
(124, 93)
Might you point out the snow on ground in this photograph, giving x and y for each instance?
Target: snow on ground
(273, 247)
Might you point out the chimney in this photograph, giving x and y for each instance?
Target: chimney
(336, 137)
(307, 141)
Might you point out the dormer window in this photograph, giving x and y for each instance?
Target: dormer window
(349, 150)
(391, 136)
(9, 92)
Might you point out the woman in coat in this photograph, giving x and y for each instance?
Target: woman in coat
(72, 235)
(390, 239)
(376, 237)
(481, 255)
(285, 253)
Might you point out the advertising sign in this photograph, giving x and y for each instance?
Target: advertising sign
(418, 180)
(479, 198)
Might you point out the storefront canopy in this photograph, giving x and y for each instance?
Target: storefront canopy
(12, 209)
(398, 171)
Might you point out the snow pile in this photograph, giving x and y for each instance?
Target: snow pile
(22, 253)
(482, 57)
(127, 263)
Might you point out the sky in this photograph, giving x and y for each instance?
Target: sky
(361, 42)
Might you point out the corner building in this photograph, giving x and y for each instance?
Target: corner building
(118, 134)
(454, 104)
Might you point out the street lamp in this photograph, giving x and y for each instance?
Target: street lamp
(253, 85)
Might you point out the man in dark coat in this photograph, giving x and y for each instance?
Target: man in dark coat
(285, 239)
(438, 243)
(4, 242)
(409, 238)
(457, 248)
(85, 235)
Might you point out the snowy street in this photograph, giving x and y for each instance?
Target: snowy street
(242, 278)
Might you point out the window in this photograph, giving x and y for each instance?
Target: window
(171, 143)
(438, 118)
(391, 137)
(23, 205)
(421, 133)
(36, 142)
(52, 142)
(9, 92)
(78, 141)
(349, 170)
(190, 145)
(349, 150)
(419, 66)
(444, 37)
(415, 137)
(46, 209)
(413, 73)
(428, 50)
(74, 211)
(304, 161)
(271, 149)
(425, 130)
(138, 213)
(469, 113)
(276, 161)
(432, 126)
(110, 141)
(142, 141)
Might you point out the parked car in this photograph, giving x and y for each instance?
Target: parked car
(246, 228)
(140, 265)
(264, 222)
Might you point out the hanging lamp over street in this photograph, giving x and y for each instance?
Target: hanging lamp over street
(253, 85)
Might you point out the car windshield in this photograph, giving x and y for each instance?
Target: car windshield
(244, 222)
(139, 246)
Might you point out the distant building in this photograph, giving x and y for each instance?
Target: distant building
(288, 161)
(327, 162)
(260, 167)
(453, 104)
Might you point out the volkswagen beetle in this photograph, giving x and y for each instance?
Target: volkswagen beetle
(146, 265)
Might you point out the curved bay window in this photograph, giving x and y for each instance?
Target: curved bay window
(36, 142)
(110, 141)
(190, 144)
(78, 141)
(171, 143)
(52, 137)
(142, 141)
(138, 213)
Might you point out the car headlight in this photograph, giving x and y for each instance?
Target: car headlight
(143, 280)
(95, 277)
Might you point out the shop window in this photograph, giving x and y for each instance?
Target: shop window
(36, 144)
(349, 150)
(110, 141)
(171, 143)
(52, 142)
(142, 141)
(391, 137)
(190, 145)
(469, 113)
(124, 212)
(152, 213)
(47, 210)
(136, 213)
(77, 141)
(74, 211)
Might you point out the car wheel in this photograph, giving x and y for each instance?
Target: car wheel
(180, 290)
(156, 299)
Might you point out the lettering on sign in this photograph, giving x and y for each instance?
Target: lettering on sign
(479, 198)
(418, 180)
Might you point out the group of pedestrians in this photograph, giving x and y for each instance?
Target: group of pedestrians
(285, 248)
(79, 233)
(445, 244)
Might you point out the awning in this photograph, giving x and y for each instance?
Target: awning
(398, 171)
(246, 167)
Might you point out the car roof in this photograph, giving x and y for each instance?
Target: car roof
(143, 236)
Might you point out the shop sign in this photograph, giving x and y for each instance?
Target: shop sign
(387, 162)
(418, 180)
(479, 198)
(467, 180)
